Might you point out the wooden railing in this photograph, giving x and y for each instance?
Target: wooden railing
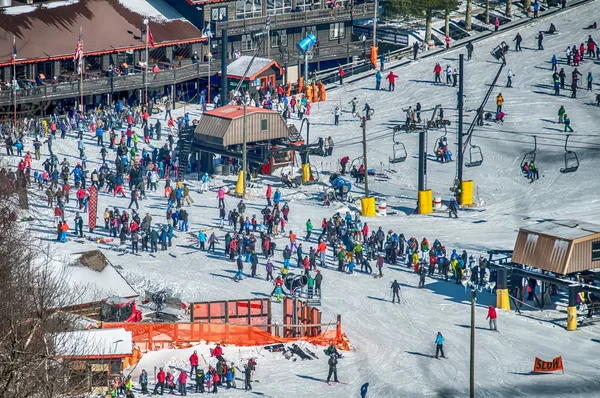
(104, 85)
(294, 19)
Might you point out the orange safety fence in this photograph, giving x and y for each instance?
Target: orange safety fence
(155, 336)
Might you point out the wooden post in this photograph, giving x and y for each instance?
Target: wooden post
(249, 309)
(192, 312)
(338, 329)
(269, 315)
(226, 312)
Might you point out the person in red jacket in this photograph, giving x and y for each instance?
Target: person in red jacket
(391, 77)
(160, 382)
(194, 364)
(447, 42)
(182, 380)
(269, 194)
(492, 317)
(437, 70)
(217, 352)
(342, 74)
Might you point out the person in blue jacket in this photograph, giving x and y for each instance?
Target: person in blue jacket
(378, 78)
(439, 345)
(554, 63)
(201, 239)
(363, 390)
(277, 197)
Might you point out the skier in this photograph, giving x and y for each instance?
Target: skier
(332, 369)
(470, 49)
(439, 345)
(437, 70)
(382, 62)
(144, 381)
(336, 115)
(499, 102)
(561, 114)
(453, 208)
(378, 78)
(540, 40)
(363, 390)
(590, 81)
(492, 317)
(415, 50)
(509, 77)
(160, 382)
(353, 102)
(448, 74)
(567, 121)
(554, 63)
(447, 40)
(518, 39)
(391, 77)
(395, 291)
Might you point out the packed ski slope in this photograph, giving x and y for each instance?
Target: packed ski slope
(393, 344)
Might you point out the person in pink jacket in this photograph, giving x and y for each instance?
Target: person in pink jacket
(221, 197)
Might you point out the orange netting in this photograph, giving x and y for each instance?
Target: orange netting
(152, 336)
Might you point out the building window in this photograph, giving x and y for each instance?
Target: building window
(336, 31)
(248, 9)
(275, 7)
(307, 5)
(596, 251)
(218, 14)
(247, 43)
(263, 125)
(278, 37)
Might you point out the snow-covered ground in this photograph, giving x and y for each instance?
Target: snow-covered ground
(393, 344)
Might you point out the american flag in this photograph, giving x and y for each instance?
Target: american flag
(14, 53)
(79, 51)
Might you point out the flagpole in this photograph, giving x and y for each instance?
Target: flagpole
(81, 66)
(209, 59)
(147, 66)
(14, 84)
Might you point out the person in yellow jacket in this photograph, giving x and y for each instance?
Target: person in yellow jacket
(415, 261)
(499, 102)
(129, 384)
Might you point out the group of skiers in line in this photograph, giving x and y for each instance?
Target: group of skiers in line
(220, 375)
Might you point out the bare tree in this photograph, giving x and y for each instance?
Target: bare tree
(468, 15)
(508, 11)
(487, 11)
(32, 290)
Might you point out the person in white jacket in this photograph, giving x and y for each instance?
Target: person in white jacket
(509, 76)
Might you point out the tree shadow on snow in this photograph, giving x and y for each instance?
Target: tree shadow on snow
(469, 327)
(420, 354)
(427, 81)
(311, 378)
(379, 299)
(553, 129)
(220, 276)
(595, 340)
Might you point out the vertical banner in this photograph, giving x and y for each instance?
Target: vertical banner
(92, 207)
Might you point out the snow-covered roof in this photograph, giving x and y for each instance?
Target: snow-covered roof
(90, 286)
(238, 67)
(565, 229)
(93, 343)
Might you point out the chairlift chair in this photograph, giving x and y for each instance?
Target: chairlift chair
(530, 156)
(475, 156)
(437, 142)
(499, 51)
(399, 151)
(571, 160)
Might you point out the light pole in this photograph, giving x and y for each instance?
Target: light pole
(472, 360)
(375, 24)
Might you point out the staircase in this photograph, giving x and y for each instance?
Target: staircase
(186, 138)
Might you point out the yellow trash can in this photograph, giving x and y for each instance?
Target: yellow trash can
(466, 192)
(239, 187)
(368, 207)
(425, 202)
(305, 173)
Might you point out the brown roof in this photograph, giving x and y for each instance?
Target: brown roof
(52, 33)
(224, 126)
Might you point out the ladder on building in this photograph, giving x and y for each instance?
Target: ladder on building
(186, 138)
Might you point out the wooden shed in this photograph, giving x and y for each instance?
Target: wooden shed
(262, 72)
(561, 246)
(223, 127)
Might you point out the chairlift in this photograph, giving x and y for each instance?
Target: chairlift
(571, 160)
(475, 156)
(440, 139)
(530, 156)
(500, 50)
(356, 162)
(399, 152)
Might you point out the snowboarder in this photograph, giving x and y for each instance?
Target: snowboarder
(395, 291)
(492, 317)
(332, 369)
(439, 345)
(567, 121)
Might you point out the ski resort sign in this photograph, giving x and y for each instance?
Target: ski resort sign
(555, 365)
